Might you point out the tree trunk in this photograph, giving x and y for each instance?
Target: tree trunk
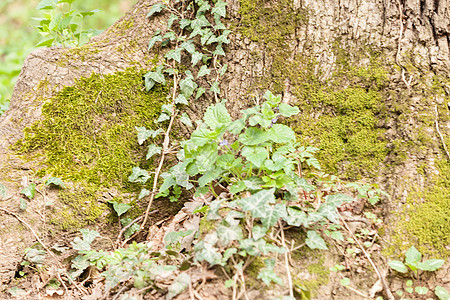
(370, 78)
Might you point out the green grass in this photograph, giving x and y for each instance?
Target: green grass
(18, 38)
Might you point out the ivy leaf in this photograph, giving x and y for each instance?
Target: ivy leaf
(46, 4)
(149, 83)
(174, 54)
(144, 134)
(181, 99)
(257, 203)
(163, 117)
(23, 204)
(188, 46)
(184, 23)
(219, 50)
(219, 25)
(187, 87)
(120, 208)
(196, 57)
(85, 243)
(273, 215)
(217, 116)
(152, 150)
(156, 8)
(138, 175)
(398, 266)
(228, 234)
(280, 133)
(29, 191)
(421, 290)
(204, 6)
(186, 120)
(315, 241)
(169, 36)
(329, 212)
(172, 19)
(3, 191)
(203, 71)
(223, 37)
(179, 285)
(337, 200)
(200, 91)
(258, 232)
(220, 9)
(144, 193)
(286, 110)
(56, 181)
(181, 177)
(223, 70)
(296, 217)
(215, 88)
(153, 40)
(209, 254)
(268, 276)
(156, 76)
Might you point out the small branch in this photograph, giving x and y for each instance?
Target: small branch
(286, 261)
(356, 291)
(439, 132)
(383, 281)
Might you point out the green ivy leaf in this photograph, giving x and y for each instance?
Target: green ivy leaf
(85, 243)
(345, 281)
(172, 19)
(120, 208)
(163, 117)
(157, 76)
(152, 150)
(187, 87)
(215, 88)
(209, 254)
(181, 99)
(174, 54)
(56, 181)
(286, 110)
(200, 91)
(203, 71)
(144, 134)
(46, 4)
(223, 70)
(154, 40)
(149, 83)
(398, 266)
(23, 204)
(3, 191)
(257, 203)
(219, 50)
(138, 175)
(220, 9)
(186, 120)
(315, 241)
(184, 23)
(29, 191)
(196, 57)
(156, 8)
(296, 217)
(144, 193)
(273, 215)
(181, 283)
(188, 46)
(268, 276)
(228, 234)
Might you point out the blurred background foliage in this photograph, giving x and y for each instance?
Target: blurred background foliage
(18, 38)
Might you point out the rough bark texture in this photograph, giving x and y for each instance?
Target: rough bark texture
(410, 37)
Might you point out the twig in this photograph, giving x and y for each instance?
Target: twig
(356, 291)
(383, 281)
(286, 261)
(131, 224)
(45, 247)
(439, 132)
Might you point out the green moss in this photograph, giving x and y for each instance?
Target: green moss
(78, 208)
(425, 221)
(341, 115)
(87, 132)
(320, 276)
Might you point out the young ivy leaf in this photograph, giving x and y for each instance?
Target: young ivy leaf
(46, 4)
(215, 88)
(184, 23)
(219, 50)
(138, 175)
(220, 9)
(152, 150)
(186, 120)
(153, 40)
(156, 9)
(163, 117)
(174, 54)
(223, 70)
(196, 57)
(181, 99)
(144, 134)
(188, 46)
(200, 91)
(203, 71)
(85, 243)
(56, 181)
(187, 87)
(120, 208)
(144, 193)
(172, 19)
(3, 191)
(29, 191)
(315, 241)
